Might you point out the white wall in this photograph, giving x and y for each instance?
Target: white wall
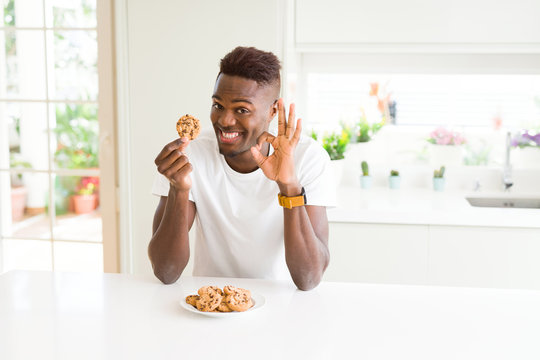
(172, 53)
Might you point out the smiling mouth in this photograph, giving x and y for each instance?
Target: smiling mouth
(229, 137)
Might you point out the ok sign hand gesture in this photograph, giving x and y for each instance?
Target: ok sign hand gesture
(280, 165)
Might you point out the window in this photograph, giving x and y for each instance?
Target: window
(50, 175)
(429, 89)
(479, 96)
(457, 100)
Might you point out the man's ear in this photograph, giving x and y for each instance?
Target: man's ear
(273, 110)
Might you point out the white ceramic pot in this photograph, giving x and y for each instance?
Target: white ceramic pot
(365, 181)
(445, 155)
(394, 182)
(438, 184)
(525, 158)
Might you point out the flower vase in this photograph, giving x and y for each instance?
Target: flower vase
(366, 181)
(84, 204)
(394, 182)
(447, 155)
(527, 157)
(438, 184)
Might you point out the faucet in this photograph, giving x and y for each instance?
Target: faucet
(507, 171)
(477, 185)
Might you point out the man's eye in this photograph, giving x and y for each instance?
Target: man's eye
(217, 106)
(243, 111)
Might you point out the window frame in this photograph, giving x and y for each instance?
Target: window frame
(107, 135)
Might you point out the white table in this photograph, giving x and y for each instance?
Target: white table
(109, 316)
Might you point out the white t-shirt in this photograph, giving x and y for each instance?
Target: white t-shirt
(239, 221)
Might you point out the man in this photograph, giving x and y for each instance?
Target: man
(230, 180)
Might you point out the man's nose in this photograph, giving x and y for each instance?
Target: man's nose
(227, 119)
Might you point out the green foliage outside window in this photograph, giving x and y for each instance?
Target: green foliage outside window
(77, 131)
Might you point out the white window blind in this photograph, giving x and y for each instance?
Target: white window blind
(452, 100)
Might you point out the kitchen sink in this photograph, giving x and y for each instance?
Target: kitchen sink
(505, 202)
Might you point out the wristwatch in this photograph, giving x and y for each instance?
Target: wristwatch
(292, 201)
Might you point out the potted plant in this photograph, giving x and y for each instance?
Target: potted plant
(365, 179)
(394, 180)
(385, 105)
(438, 179)
(86, 199)
(527, 145)
(335, 145)
(446, 147)
(365, 131)
(77, 131)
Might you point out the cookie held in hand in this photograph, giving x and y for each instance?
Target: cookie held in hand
(188, 126)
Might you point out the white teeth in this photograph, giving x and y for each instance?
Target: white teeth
(231, 135)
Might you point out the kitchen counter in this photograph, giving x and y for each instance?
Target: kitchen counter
(49, 315)
(417, 206)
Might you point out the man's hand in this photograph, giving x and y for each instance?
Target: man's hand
(174, 164)
(280, 165)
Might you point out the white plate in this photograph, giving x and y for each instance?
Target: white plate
(258, 302)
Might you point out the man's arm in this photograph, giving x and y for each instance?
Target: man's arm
(306, 227)
(169, 247)
(306, 240)
(306, 244)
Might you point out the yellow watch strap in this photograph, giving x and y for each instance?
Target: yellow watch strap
(292, 201)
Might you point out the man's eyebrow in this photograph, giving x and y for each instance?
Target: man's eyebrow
(234, 100)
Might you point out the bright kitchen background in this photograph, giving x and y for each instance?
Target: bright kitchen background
(469, 66)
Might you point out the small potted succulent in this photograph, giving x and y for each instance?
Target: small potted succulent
(438, 179)
(365, 179)
(394, 180)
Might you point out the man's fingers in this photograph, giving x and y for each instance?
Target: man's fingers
(290, 122)
(184, 170)
(297, 132)
(281, 117)
(257, 156)
(177, 165)
(265, 137)
(164, 164)
(178, 144)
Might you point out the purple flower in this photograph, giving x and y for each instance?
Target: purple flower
(525, 138)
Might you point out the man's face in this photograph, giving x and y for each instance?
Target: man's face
(241, 111)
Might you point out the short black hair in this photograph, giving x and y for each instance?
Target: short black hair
(252, 63)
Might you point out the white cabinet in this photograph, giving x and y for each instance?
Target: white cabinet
(378, 253)
(435, 255)
(484, 257)
(417, 22)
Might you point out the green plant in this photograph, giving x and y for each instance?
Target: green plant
(394, 173)
(365, 131)
(77, 132)
(439, 173)
(477, 155)
(335, 143)
(16, 161)
(365, 168)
